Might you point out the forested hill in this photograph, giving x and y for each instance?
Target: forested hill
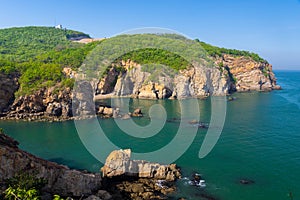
(22, 44)
(38, 55)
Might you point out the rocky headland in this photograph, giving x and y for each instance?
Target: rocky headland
(36, 80)
(234, 74)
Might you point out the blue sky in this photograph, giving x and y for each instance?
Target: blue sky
(270, 28)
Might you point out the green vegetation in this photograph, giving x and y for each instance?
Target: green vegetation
(24, 187)
(22, 44)
(157, 56)
(38, 55)
(57, 197)
(174, 51)
(217, 51)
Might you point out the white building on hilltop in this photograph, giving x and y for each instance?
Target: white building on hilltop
(59, 26)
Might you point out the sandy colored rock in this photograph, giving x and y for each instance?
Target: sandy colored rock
(248, 74)
(119, 163)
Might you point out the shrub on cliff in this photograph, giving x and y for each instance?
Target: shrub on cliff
(24, 187)
(217, 51)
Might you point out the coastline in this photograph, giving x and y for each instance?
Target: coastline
(66, 182)
(45, 117)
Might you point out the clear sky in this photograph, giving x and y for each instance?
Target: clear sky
(270, 28)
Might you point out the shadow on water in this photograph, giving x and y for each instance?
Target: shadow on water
(70, 163)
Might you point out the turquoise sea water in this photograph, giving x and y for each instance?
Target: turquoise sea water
(260, 141)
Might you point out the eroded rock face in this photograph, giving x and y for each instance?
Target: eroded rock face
(249, 75)
(128, 78)
(8, 86)
(192, 82)
(119, 163)
(237, 74)
(46, 103)
(60, 179)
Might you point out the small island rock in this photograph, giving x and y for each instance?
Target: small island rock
(119, 163)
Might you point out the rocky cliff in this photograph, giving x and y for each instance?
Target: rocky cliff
(232, 74)
(248, 75)
(127, 78)
(8, 86)
(45, 104)
(133, 80)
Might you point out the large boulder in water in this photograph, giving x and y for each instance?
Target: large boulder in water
(119, 163)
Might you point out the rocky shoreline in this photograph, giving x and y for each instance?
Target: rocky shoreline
(231, 74)
(122, 178)
(138, 179)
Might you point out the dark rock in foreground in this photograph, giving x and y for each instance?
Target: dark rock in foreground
(60, 179)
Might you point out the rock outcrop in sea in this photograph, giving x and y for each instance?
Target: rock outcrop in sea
(148, 180)
(119, 163)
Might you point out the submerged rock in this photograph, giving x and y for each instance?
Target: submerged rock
(246, 181)
(137, 113)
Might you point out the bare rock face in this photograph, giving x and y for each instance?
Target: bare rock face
(236, 74)
(8, 86)
(248, 74)
(106, 85)
(192, 82)
(45, 103)
(60, 179)
(119, 163)
(201, 81)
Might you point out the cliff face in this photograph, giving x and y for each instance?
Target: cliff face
(128, 78)
(234, 74)
(47, 103)
(192, 82)
(248, 75)
(8, 86)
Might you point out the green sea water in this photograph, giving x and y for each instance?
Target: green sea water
(260, 141)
